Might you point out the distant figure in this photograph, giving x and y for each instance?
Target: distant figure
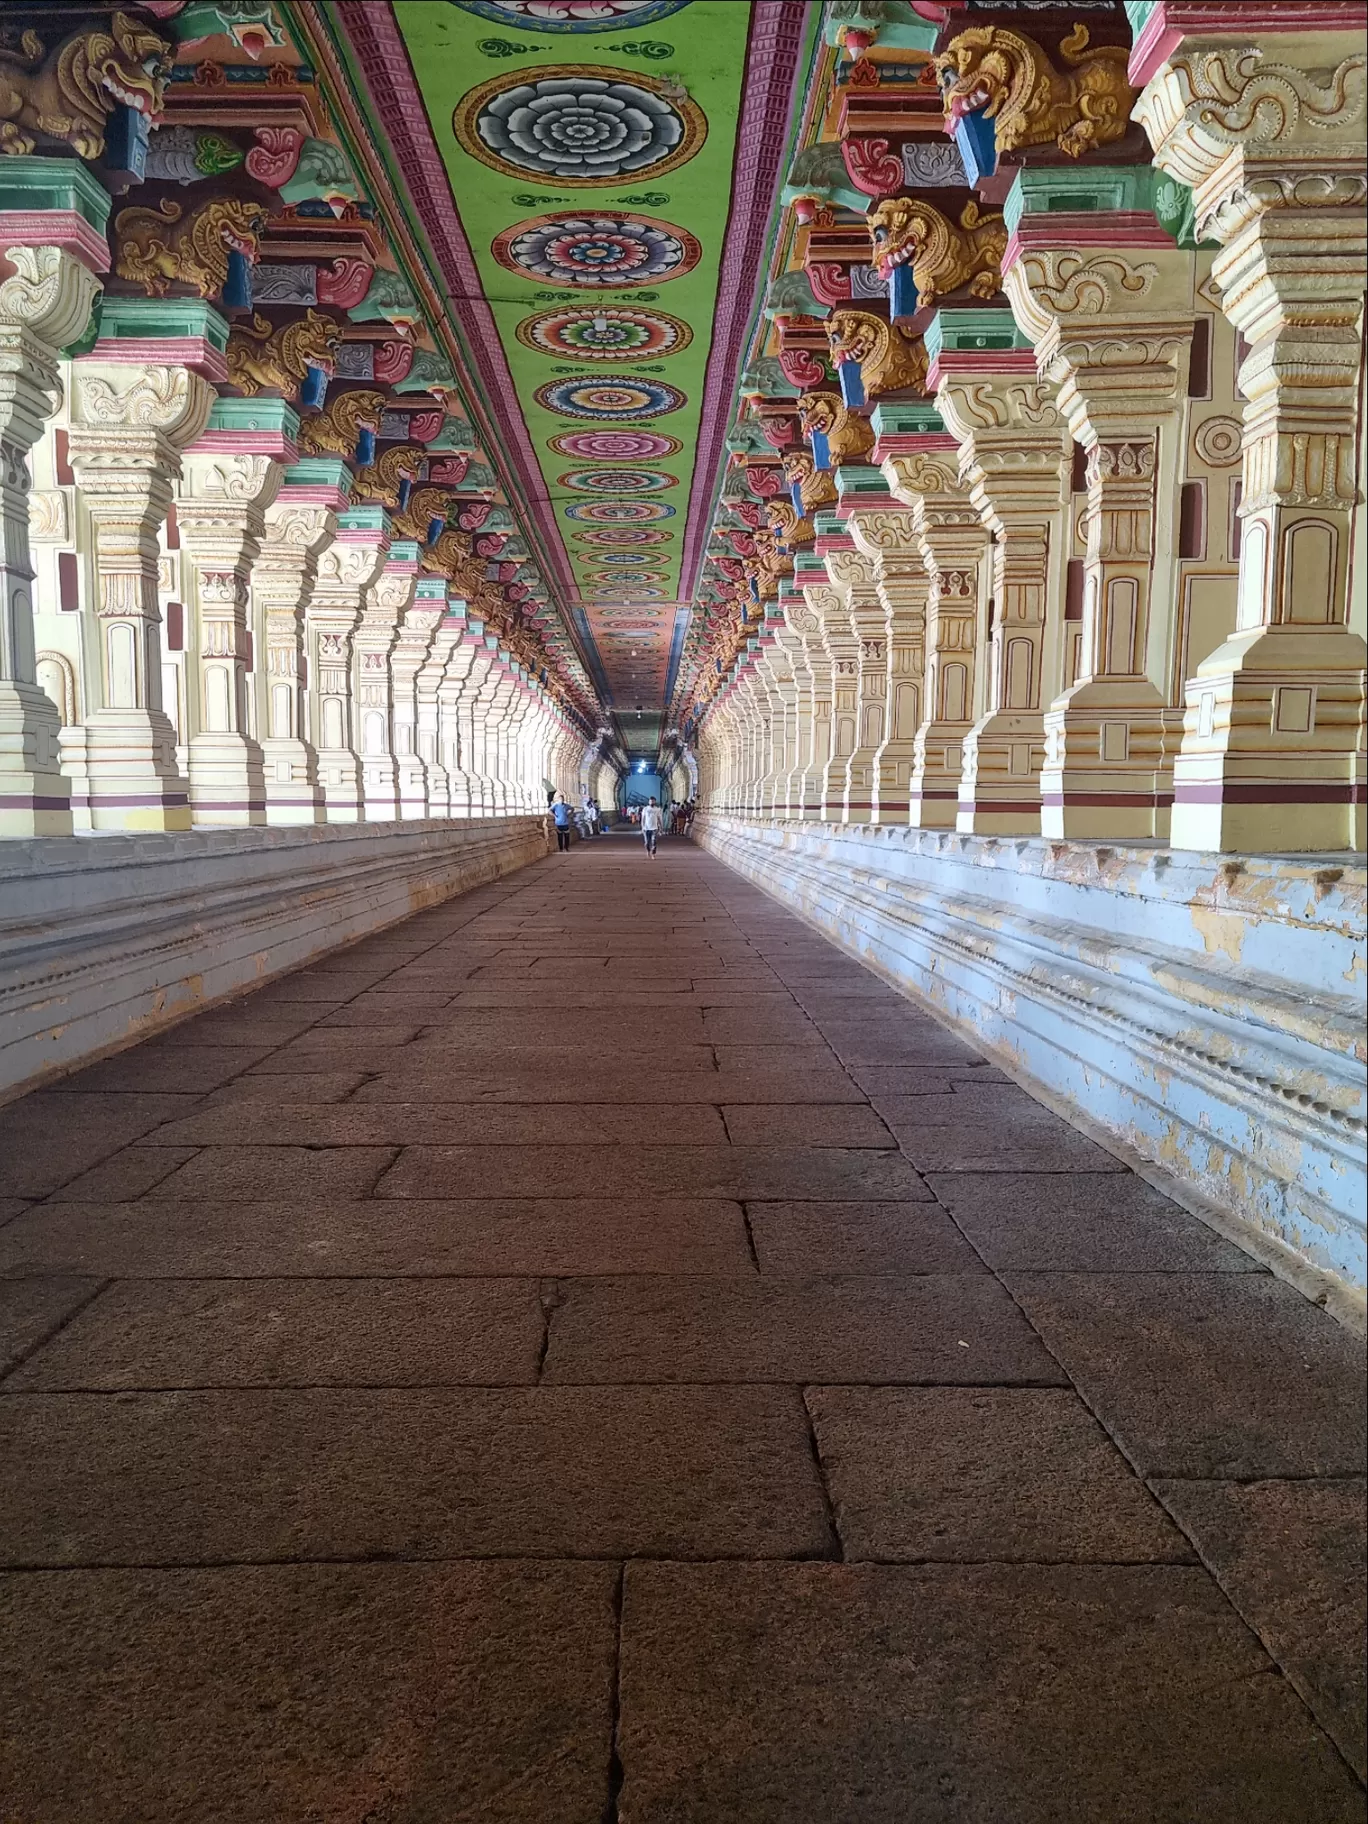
(589, 814)
(652, 817)
(560, 815)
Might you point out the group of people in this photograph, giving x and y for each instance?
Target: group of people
(650, 818)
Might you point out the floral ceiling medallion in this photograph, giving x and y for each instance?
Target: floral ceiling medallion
(572, 15)
(606, 251)
(606, 334)
(619, 512)
(617, 481)
(615, 446)
(626, 535)
(576, 124)
(618, 398)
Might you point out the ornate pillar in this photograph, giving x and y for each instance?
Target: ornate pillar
(1265, 122)
(460, 680)
(229, 478)
(428, 687)
(1107, 300)
(131, 417)
(300, 524)
(346, 570)
(919, 466)
(798, 638)
(419, 792)
(382, 605)
(56, 212)
(885, 533)
(1016, 457)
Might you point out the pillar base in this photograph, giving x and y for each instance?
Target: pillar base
(933, 791)
(1105, 773)
(122, 773)
(380, 789)
(340, 782)
(1000, 786)
(227, 781)
(293, 794)
(35, 796)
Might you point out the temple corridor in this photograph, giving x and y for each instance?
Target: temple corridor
(593, 1352)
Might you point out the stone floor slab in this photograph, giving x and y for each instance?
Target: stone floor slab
(932, 1328)
(32, 1308)
(255, 1172)
(1291, 1556)
(1082, 1222)
(295, 1333)
(1206, 1375)
(419, 1473)
(983, 1475)
(461, 1123)
(855, 1694)
(439, 1694)
(157, 1239)
(820, 1240)
(49, 1137)
(160, 1065)
(806, 1124)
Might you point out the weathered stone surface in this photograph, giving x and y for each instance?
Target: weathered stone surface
(1199, 1375)
(157, 1238)
(801, 1124)
(1290, 1555)
(864, 1694)
(296, 1333)
(1082, 1222)
(32, 1308)
(984, 1474)
(130, 1173)
(816, 1240)
(254, 1172)
(667, 1171)
(286, 1123)
(158, 1065)
(559, 1472)
(442, 1694)
(48, 1138)
(934, 1328)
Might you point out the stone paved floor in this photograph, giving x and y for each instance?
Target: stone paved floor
(594, 1353)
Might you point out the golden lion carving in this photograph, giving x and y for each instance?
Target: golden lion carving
(335, 432)
(196, 253)
(425, 505)
(1011, 81)
(71, 95)
(849, 438)
(816, 489)
(381, 481)
(906, 231)
(891, 360)
(260, 358)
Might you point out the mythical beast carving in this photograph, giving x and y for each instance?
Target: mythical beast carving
(1011, 81)
(70, 93)
(260, 357)
(849, 437)
(193, 253)
(943, 256)
(890, 360)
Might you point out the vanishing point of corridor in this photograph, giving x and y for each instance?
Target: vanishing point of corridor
(592, 1352)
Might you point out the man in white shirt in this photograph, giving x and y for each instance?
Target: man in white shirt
(651, 820)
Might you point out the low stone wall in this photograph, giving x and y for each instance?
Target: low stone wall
(1204, 1013)
(104, 939)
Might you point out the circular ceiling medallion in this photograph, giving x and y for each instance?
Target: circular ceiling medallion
(607, 334)
(577, 124)
(609, 251)
(615, 446)
(631, 595)
(572, 15)
(618, 398)
(611, 576)
(617, 481)
(624, 559)
(618, 512)
(626, 535)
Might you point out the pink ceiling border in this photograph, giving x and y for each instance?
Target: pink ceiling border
(774, 68)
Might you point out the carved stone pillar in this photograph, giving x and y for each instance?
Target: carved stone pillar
(346, 570)
(460, 680)
(383, 605)
(954, 553)
(800, 628)
(886, 535)
(130, 422)
(412, 650)
(1107, 300)
(44, 304)
(228, 480)
(1016, 456)
(1266, 123)
(428, 684)
(300, 524)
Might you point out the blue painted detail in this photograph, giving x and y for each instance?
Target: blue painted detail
(405, 491)
(902, 293)
(796, 496)
(852, 382)
(821, 449)
(436, 527)
(365, 446)
(314, 389)
(237, 287)
(976, 137)
(126, 137)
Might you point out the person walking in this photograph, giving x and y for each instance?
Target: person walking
(560, 816)
(651, 820)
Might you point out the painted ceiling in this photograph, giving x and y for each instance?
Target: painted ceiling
(610, 169)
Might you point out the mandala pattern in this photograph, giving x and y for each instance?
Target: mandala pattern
(619, 512)
(610, 251)
(615, 446)
(626, 560)
(608, 334)
(574, 124)
(611, 576)
(617, 481)
(617, 399)
(572, 15)
(627, 535)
